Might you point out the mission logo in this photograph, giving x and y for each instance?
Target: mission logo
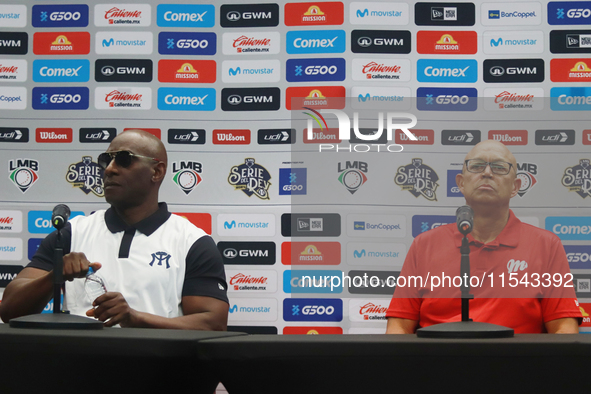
(187, 175)
(87, 176)
(418, 178)
(251, 178)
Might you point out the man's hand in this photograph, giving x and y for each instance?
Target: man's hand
(112, 309)
(76, 266)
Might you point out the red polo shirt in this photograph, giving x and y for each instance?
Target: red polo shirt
(513, 279)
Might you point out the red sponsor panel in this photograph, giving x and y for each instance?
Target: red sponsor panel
(311, 330)
(311, 253)
(155, 132)
(509, 137)
(322, 136)
(317, 97)
(570, 70)
(424, 137)
(231, 137)
(187, 71)
(586, 311)
(586, 137)
(61, 43)
(447, 42)
(322, 13)
(54, 135)
(201, 220)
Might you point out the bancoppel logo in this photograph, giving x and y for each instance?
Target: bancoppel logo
(513, 70)
(511, 14)
(418, 178)
(570, 99)
(251, 43)
(315, 96)
(186, 71)
(71, 70)
(447, 99)
(445, 14)
(316, 41)
(241, 71)
(14, 43)
(293, 181)
(504, 42)
(460, 137)
(276, 136)
(251, 99)
(249, 15)
(11, 221)
(398, 98)
(122, 15)
(13, 98)
(373, 13)
(312, 281)
(11, 249)
(570, 228)
(311, 253)
(119, 43)
(122, 98)
(60, 98)
(251, 281)
(352, 174)
(246, 225)
(452, 187)
(387, 226)
(423, 137)
(61, 43)
(555, 137)
(570, 70)
(380, 70)
(311, 225)
(446, 70)
(186, 136)
(509, 99)
(74, 15)
(509, 137)
(570, 41)
(306, 70)
(370, 253)
(527, 172)
(54, 135)
(368, 310)
(97, 134)
(231, 137)
(579, 257)
(305, 14)
(23, 173)
(380, 41)
(253, 309)
(251, 178)
(12, 134)
(185, 15)
(123, 70)
(186, 174)
(312, 309)
(13, 15)
(578, 179)
(248, 253)
(13, 70)
(185, 43)
(447, 42)
(422, 223)
(186, 99)
(569, 12)
(87, 176)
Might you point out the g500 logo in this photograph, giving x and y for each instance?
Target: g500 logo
(186, 175)
(87, 176)
(251, 178)
(419, 179)
(578, 178)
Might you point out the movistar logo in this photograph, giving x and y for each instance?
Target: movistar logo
(358, 254)
(235, 71)
(234, 308)
(361, 14)
(364, 98)
(496, 43)
(108, 43)
(230, 225)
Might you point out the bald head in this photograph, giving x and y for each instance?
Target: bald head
(143, 143)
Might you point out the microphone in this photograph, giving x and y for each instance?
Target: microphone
(465, 219)
(60, 216)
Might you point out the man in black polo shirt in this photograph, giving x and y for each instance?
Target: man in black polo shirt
(160, 270)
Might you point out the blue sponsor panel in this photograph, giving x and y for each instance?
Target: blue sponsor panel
(310, 70)
(292, 181)
(313, 281)
(447, 70)
(447, 99)
(452, 188)
(185, 15)
(570, 99)
(570, 228)
(312, 309)
(316, 41)
(62, 15)
(32, 246)
(71, 70)
(194, 44)
(569, 13)
(60, 98)
(422, 223)
(39, 222)
(579, 256)
(186, 99)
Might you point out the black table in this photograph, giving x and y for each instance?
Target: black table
(111, 360)
(527, 363)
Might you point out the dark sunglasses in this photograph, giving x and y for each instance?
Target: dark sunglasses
(122, 158)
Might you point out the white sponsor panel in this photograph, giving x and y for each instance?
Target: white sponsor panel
(251, 43)
(511, 14)
(392, 97)
(119, 43)
(122, 98)
(12, 70)
(245, 71)
(516, 99)
(122, 15)
(13, 15)
(252, 309)
(368, 310)
(373, 13)
(13, 98)
(503, 42)
(251, 281)
(387, 226)
(11, 221)
(11, 249)
(246, 225)
(381, 70)
(371, 253)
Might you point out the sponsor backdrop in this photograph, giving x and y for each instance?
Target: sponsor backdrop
(220, 85)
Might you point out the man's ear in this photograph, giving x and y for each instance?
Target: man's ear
(460, 181)
(516, 186)
(159, 172)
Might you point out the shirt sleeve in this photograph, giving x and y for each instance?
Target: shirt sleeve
(205, 275)
(44, 257)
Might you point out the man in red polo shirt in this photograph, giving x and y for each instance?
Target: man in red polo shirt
(503, 251)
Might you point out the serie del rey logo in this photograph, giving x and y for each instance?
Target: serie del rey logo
(23, 173)
(186, 175)
(251, 178)
(418, 178)
(87, 176)
(578, 178)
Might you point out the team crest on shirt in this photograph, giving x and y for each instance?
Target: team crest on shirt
(251, 178)
(187, 175)
(160, 258)
(418, 178)
(87, 176)
(578, 178)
